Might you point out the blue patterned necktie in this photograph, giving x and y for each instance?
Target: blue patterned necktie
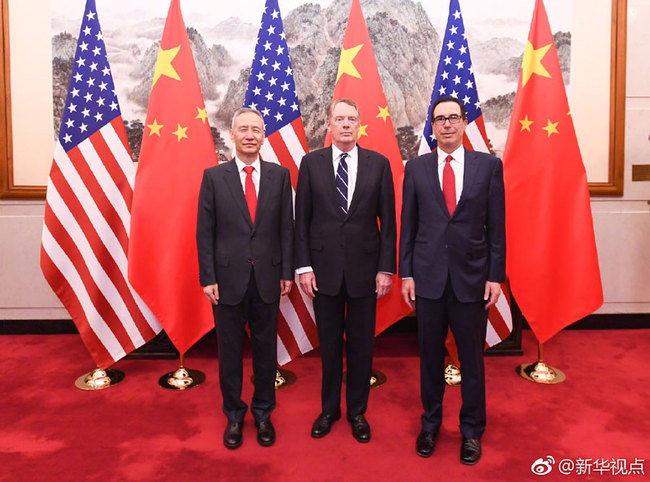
(342, 182)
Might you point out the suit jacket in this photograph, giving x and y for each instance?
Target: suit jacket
(229, 244)
(468, 246)
(336, 245)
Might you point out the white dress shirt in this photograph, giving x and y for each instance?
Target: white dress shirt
(457, 165)
(255, 174)
(353, 166)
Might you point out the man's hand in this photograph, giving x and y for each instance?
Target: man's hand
(308, 283)
(492, 293)
(212, 293)
(285, 286)
(383, 283)
(408, 292)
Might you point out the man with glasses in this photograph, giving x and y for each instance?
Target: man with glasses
(452, 261)
(345, 258)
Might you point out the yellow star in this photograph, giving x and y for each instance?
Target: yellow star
(155, 128)
(202, 114)
(345, 64)
(551, 128)
(525, 124)
(532, 63)
(164, 64)
(180, 133)
(362, 131)
(383, 112)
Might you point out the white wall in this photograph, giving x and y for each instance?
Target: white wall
(622, 225)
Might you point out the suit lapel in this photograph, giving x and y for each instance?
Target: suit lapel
(234, 184)
(326, 172)
(432, 170)
(364, 164)
(266, 181)
(469, 174)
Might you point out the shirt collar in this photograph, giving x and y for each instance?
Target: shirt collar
(241, 165)
(458, 155)
(336, 152)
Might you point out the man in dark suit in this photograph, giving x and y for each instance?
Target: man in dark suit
(244, 236)
(452, 261)
(345, 259)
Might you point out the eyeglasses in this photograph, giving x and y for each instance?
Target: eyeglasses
(341, 119)
(441, 119)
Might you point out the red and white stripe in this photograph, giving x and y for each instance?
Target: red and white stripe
(499, 317)
(296, 324)
(475, 137)
(85, 241)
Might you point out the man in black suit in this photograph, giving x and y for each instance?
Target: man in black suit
(244, 236)
(345, 259)
(452, 261)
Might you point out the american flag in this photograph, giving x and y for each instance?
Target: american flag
(272, 91)
(87, 211)
(455, 78)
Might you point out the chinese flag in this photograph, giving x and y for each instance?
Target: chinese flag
(176, 147)
(551, 250)
(358, 79)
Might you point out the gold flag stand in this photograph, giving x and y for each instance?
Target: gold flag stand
(182, 378)
(283, 378)
(540, 372)
(99, 379)
(452, 375)
(377, 378)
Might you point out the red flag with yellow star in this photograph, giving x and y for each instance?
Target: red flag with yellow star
(358, 79)
(551, 261)
(176, 148)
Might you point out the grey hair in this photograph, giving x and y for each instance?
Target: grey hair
(334, 103)
(244, 110)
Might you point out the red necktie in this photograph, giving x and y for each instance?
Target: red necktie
(449, 186)
(249, 192)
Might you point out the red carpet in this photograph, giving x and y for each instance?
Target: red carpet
(138, 431)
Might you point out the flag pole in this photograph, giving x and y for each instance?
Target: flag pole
(99, 379)
(182, 378)
(540, 372)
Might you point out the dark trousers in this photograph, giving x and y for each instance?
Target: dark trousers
(263, 323)
(468, 323)
(336, 315)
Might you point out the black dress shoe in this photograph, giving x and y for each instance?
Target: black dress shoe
(265, 433)
(470, 451)
(360, 428)
(232, 437)
(323, 424)
(426, 443)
